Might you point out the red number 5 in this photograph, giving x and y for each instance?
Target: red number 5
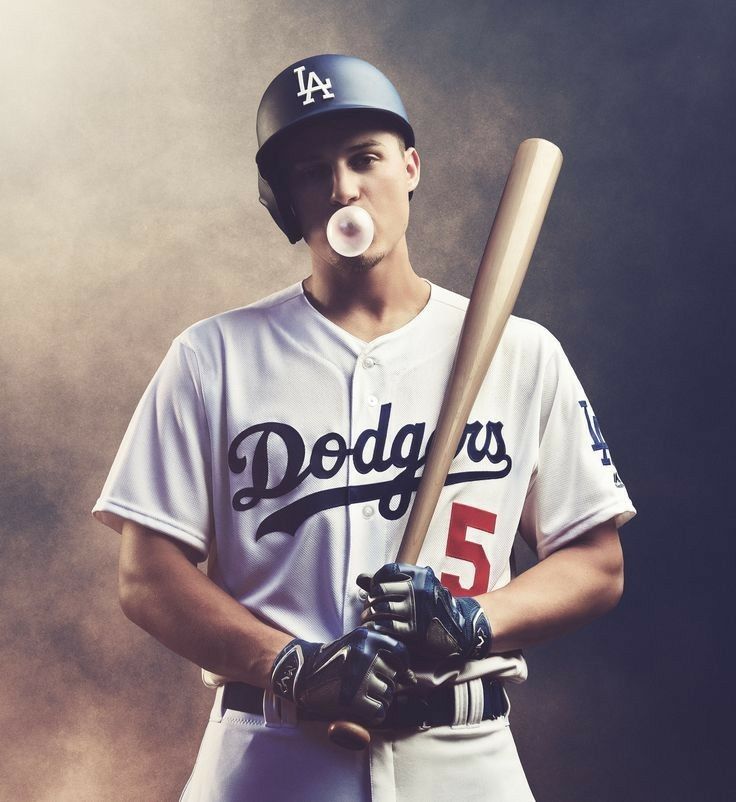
(463, 517)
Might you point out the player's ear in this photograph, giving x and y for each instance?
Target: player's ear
(411, 162)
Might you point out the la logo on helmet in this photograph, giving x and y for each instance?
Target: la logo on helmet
(315, 83)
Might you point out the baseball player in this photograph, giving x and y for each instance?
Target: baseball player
(284, 440)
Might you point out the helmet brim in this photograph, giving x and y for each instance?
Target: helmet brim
(268, 153)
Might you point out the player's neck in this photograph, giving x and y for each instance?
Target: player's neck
(370, 303)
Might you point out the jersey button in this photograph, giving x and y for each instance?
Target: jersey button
(372, 401)
(368, 511)
(369, 362)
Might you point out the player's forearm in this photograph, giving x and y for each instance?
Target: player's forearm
(190, 615)
(571, 587)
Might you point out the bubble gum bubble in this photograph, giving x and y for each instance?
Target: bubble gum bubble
(350, 231)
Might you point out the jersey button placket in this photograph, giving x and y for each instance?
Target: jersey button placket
(364, 414)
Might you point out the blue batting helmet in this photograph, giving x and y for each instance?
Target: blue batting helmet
(314, 87)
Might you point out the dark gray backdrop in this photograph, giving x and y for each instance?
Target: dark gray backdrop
(128, 211)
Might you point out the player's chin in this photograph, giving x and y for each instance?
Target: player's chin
(359, 264)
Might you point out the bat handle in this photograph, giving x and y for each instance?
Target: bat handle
(349, 735)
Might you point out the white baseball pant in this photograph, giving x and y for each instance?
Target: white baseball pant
(272, 758)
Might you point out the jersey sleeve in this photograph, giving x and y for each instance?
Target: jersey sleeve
(161, 474)
(575, 485)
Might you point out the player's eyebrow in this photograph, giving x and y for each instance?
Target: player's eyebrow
(369, 143)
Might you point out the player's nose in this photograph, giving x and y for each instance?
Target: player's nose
(344, 186)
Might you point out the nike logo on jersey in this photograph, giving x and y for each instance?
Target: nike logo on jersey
(272, 446)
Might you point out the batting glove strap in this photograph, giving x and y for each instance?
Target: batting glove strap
(409, 603)
(476, 628)
(289, 665)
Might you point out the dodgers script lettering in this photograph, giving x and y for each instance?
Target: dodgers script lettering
(372, 453)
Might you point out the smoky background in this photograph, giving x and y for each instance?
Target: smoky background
(129, 210)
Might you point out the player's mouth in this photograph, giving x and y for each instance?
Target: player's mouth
(350, 231)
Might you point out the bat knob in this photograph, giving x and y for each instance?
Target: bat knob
(349, 735)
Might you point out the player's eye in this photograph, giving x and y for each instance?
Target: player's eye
(365, 160)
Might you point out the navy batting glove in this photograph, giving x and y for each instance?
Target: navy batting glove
(409, 603)
(354, 677)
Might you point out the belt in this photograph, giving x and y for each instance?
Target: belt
(436, 708)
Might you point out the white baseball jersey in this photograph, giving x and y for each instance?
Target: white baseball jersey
(298, 447)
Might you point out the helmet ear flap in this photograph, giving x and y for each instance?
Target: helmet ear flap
(279, 205)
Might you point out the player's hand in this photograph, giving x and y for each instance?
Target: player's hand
(354, 677)
(409, 603)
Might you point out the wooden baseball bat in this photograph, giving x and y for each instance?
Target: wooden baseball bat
(503, 265)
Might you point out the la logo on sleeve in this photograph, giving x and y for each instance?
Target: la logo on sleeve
(594, 428)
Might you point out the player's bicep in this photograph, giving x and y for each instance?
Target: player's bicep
(146, 554)
(596, 556)
(601, 547)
